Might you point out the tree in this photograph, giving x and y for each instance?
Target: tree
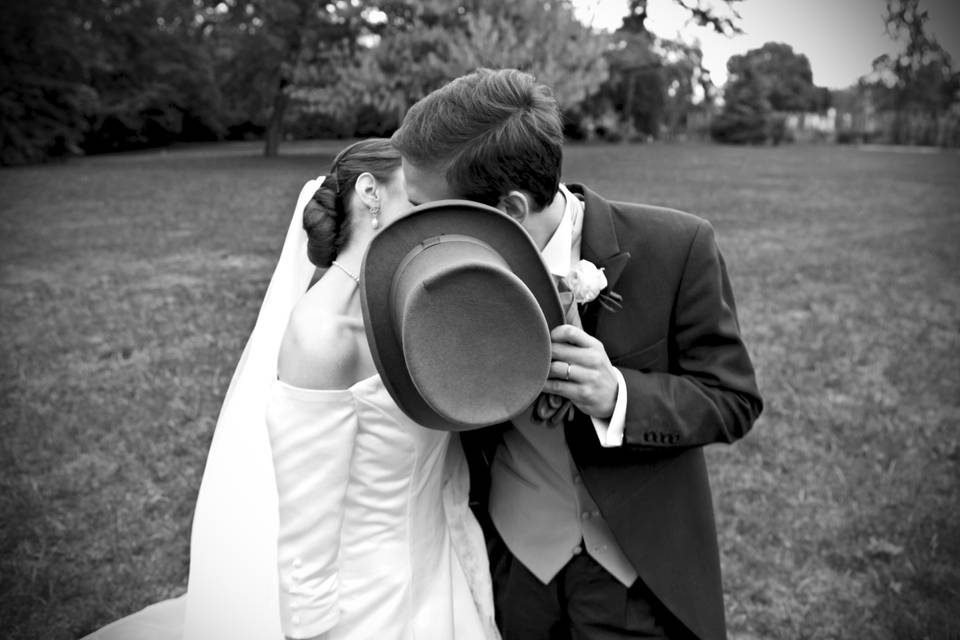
(918, 80)
(721, 18)
(100, 76)
(654, 81)
(785, 75)
(746, 110)
(44, 97)
(687, 84)
(635, 89)
(419, 46)
(539, 36)
(152, 74)
(762, 84)
(413, 51)
(268, 50)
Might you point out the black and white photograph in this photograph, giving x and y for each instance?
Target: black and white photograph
(479, 320)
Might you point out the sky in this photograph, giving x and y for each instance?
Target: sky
(839, 37)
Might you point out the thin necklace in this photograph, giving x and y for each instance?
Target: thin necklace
(344, 269)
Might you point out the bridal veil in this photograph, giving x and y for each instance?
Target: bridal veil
(232, 590)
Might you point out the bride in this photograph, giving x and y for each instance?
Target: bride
(324, 511)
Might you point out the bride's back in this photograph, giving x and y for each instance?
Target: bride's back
(325, 346)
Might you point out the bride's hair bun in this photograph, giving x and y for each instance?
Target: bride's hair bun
(325, 223)
(326, 217)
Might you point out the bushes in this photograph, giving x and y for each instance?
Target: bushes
(740, 126)
(44, 100)
(93, 77)
(41, 118)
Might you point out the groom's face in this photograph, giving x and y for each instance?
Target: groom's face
(426, 185)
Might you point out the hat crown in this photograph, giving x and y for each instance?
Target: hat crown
(458, 308)
(474, 339)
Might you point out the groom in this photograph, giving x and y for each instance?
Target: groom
(602, 527)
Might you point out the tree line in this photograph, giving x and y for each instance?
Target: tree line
(90, 77)
(909, 97)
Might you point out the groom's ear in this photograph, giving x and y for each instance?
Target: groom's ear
(516, 205)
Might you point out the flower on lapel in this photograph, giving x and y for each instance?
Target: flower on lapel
(586, 281)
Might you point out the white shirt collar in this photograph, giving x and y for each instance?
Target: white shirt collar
(563, 248)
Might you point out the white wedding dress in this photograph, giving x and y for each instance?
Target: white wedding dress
(404, 561)
(434, 583)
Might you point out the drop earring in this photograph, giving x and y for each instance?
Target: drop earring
(375, 217)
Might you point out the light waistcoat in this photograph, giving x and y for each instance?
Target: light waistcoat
(537, 500)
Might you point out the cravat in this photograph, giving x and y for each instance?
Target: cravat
(570, 312)
(551, 407)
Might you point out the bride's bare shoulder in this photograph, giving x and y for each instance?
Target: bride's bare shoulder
(320, 349)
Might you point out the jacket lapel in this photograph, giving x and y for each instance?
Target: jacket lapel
(600, 246)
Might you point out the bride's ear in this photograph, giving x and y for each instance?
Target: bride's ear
(367, 191)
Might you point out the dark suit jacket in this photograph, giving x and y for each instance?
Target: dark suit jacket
(689, 382)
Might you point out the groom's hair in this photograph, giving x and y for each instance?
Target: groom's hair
(488, 132)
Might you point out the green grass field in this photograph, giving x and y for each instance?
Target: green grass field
(128, 284)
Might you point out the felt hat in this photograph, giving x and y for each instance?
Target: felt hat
(458, 307)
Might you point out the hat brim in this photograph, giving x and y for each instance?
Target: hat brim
(384, 256)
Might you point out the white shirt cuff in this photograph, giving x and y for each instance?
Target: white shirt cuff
(610, 430)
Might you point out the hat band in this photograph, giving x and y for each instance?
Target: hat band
(397, 291)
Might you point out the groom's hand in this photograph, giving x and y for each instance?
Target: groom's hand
(581, 371)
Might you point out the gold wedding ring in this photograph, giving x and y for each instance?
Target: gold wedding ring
(569, 366)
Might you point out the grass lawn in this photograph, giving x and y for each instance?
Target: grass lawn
(128, 284)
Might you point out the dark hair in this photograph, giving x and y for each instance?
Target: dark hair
(326, 217)
(490, 131)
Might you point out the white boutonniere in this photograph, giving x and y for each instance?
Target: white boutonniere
(587, 282)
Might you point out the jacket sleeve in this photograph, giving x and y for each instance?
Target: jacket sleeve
(311, 438)
(709, 393)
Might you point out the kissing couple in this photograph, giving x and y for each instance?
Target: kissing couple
(486, 418)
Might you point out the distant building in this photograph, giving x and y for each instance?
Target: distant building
(811, 126)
